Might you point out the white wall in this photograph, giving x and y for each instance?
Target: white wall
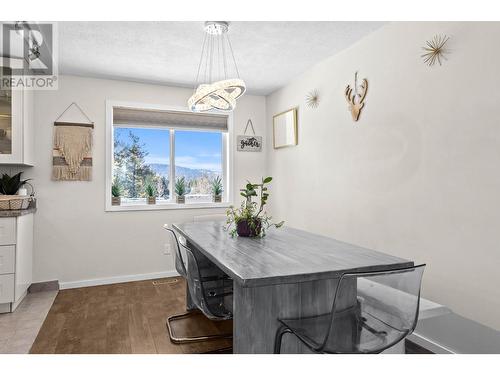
(75, 239)
(418, 175)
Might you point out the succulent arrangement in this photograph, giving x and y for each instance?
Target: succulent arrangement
(250, 219)
(9, 185)
(116, 193)
(150, 193)
(180, 189)
(217, 189)
(116, 190)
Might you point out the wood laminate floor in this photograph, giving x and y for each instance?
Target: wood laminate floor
(124, 318)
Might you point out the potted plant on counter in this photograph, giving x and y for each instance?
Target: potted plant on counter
(116, 193)
(12, 194)
(150, 193)
(180, 190)
(250, 220)
(10, 185)
(217, 189)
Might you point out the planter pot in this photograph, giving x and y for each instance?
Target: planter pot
(116, 201)
(244, 229)
(181, 199)
(151, 200)
(218, 198)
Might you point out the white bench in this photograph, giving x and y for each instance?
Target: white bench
(439, 329)
(450, 333)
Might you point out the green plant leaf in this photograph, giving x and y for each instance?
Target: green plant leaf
(267, 180)
(9, 185)
(280, 224)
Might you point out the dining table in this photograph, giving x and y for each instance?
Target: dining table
(288, 273)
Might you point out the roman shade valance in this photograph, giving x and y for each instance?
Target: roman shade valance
(173, 119)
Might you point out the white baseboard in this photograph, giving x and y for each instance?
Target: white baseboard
(116, 279)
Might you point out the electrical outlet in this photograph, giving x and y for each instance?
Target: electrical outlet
(167, 249)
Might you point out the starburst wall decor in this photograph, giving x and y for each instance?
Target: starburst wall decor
(312, 99)
(435, 50)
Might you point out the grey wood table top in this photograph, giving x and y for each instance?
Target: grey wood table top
(284, 255)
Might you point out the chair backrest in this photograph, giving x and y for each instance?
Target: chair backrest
(180, 264)
(373, 311)
(208, 292)
(179, 257)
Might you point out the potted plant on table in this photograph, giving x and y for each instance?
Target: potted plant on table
(217, 189)
(151, 193)
(180, 190)
(250, 220)
(116, 193)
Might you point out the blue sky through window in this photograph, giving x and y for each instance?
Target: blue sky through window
(195, 150)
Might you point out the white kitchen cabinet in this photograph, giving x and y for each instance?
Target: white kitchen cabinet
(16, 124)
(16, 259)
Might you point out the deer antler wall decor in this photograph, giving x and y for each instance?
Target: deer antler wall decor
(356, 100)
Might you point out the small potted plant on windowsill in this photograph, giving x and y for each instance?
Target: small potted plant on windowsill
(180, 190)
(250, 220)
(217, 189)
(151, 194)
(116, 193)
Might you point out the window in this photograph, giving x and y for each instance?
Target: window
(141, 157)
(154, 148)
(198, 159)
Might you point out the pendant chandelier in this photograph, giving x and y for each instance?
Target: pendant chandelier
(214, 90)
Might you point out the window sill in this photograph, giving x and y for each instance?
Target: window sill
(166, 206)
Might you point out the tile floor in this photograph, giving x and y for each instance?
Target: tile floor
(19, 329)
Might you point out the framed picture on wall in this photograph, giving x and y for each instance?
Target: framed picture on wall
(285, 129)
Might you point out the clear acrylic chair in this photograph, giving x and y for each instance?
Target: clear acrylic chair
(211, 291)
(371, 312)
(178, 257)
(203, 276)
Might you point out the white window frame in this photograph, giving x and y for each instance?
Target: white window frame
(227, 162)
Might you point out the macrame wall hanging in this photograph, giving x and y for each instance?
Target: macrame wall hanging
(72, 151)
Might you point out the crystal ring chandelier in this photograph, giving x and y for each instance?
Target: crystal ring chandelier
(222, 93)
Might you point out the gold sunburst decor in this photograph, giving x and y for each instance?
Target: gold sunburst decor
(435, 50)
(312, 99)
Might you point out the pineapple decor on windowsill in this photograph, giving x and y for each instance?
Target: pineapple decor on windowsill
(180, 190)
(151, 194)
(116, 195)
(217, 189)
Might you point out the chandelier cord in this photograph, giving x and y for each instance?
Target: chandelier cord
(224, 57)
(232, 54)
(201, 60)
(218, 59)
(205, 72)
(211, 60)
(207, 49)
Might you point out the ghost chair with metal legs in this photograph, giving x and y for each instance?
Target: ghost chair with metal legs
(212, 279)
(383, 312)
(212, 294)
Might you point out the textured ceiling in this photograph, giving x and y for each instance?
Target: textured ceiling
(269, 54)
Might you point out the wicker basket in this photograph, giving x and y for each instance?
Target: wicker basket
(14, 202)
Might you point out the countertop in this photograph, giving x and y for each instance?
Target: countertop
(15, 213)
